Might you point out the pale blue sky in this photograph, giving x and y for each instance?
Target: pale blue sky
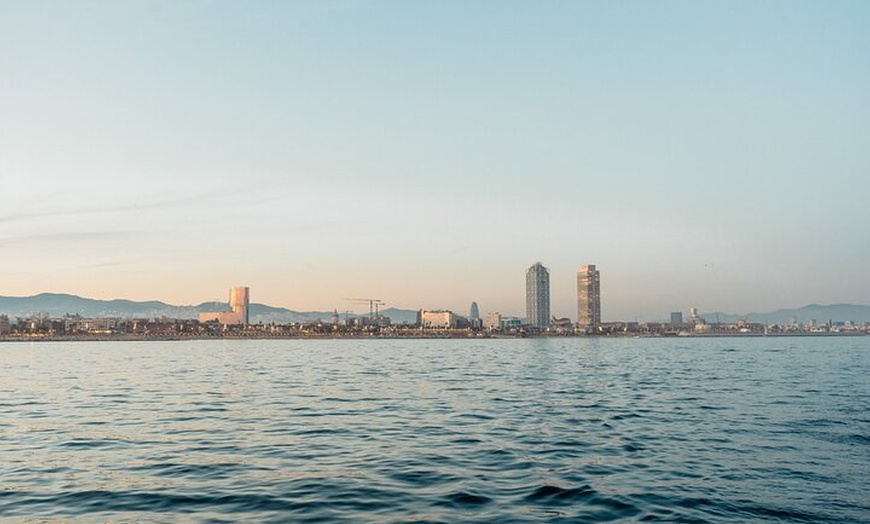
(709, 154)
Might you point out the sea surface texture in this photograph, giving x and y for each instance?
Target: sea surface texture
(529, 430)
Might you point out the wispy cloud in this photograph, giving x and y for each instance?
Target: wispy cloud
(73, 238)
(102, 265)
(52, 205)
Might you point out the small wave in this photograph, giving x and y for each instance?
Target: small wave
(755, 511)
(426, 478)
(623, 416)
(84, 502)
(94, 443)
(463, 498)
(209, 471)
(554, 494)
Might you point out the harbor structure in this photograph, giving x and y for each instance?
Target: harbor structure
(588, 297)
(538, 296)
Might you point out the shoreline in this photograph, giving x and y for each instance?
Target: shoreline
(403, 336)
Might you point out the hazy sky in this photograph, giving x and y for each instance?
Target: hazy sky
(709, 154)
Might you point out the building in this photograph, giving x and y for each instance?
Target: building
(474, 320)
(538, 296)
(588, 297)
(240, 298)
(492, 321)
(240, 301)
(510, 323)
(562, 324)
(676, 317)
(474, 312)
(438, 319)
(77, 324)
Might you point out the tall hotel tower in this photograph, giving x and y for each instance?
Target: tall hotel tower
(588, 297)
(240, 298)
(538, 296)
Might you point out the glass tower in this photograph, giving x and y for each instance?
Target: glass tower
(588, 297)
(538, 296)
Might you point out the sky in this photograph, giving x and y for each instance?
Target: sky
(706, 154)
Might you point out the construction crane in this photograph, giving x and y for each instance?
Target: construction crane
(372, 302)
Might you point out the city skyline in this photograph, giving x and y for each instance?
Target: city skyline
(708, 155)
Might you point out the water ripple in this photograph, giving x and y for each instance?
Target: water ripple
(546, 430)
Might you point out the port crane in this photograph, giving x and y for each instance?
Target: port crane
(372, 302)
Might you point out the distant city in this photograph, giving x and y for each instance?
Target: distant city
(233, 319)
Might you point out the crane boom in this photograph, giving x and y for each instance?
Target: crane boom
(372, 302)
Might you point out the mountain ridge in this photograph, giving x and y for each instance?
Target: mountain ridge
(60, 304)
(821, 313)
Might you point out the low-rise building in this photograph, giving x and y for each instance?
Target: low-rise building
(438, 319)
(492, 321)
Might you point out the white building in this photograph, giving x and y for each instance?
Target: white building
(438, 319)
(492, 321)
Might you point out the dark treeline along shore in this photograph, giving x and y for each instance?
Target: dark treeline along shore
(176, 331)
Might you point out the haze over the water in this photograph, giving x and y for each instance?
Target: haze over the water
(699, 153)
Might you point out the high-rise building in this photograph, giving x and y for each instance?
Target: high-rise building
(538, 295)
(588, 297)
(474, 312)
(240, 298)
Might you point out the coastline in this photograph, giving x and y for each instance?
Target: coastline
(399, 336)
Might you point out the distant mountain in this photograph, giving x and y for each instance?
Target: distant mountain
(57, 305)
(401, 316)
(821, 314)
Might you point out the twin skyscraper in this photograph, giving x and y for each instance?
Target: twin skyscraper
(588, 297)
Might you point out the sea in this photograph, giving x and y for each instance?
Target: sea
(754, 429)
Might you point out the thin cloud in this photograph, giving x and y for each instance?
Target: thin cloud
(165, 203)
(73, 238)
(102, 265)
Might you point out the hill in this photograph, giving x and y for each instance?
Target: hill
(820, 313)
(59, 304)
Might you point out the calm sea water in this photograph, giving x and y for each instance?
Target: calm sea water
(546, 430)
